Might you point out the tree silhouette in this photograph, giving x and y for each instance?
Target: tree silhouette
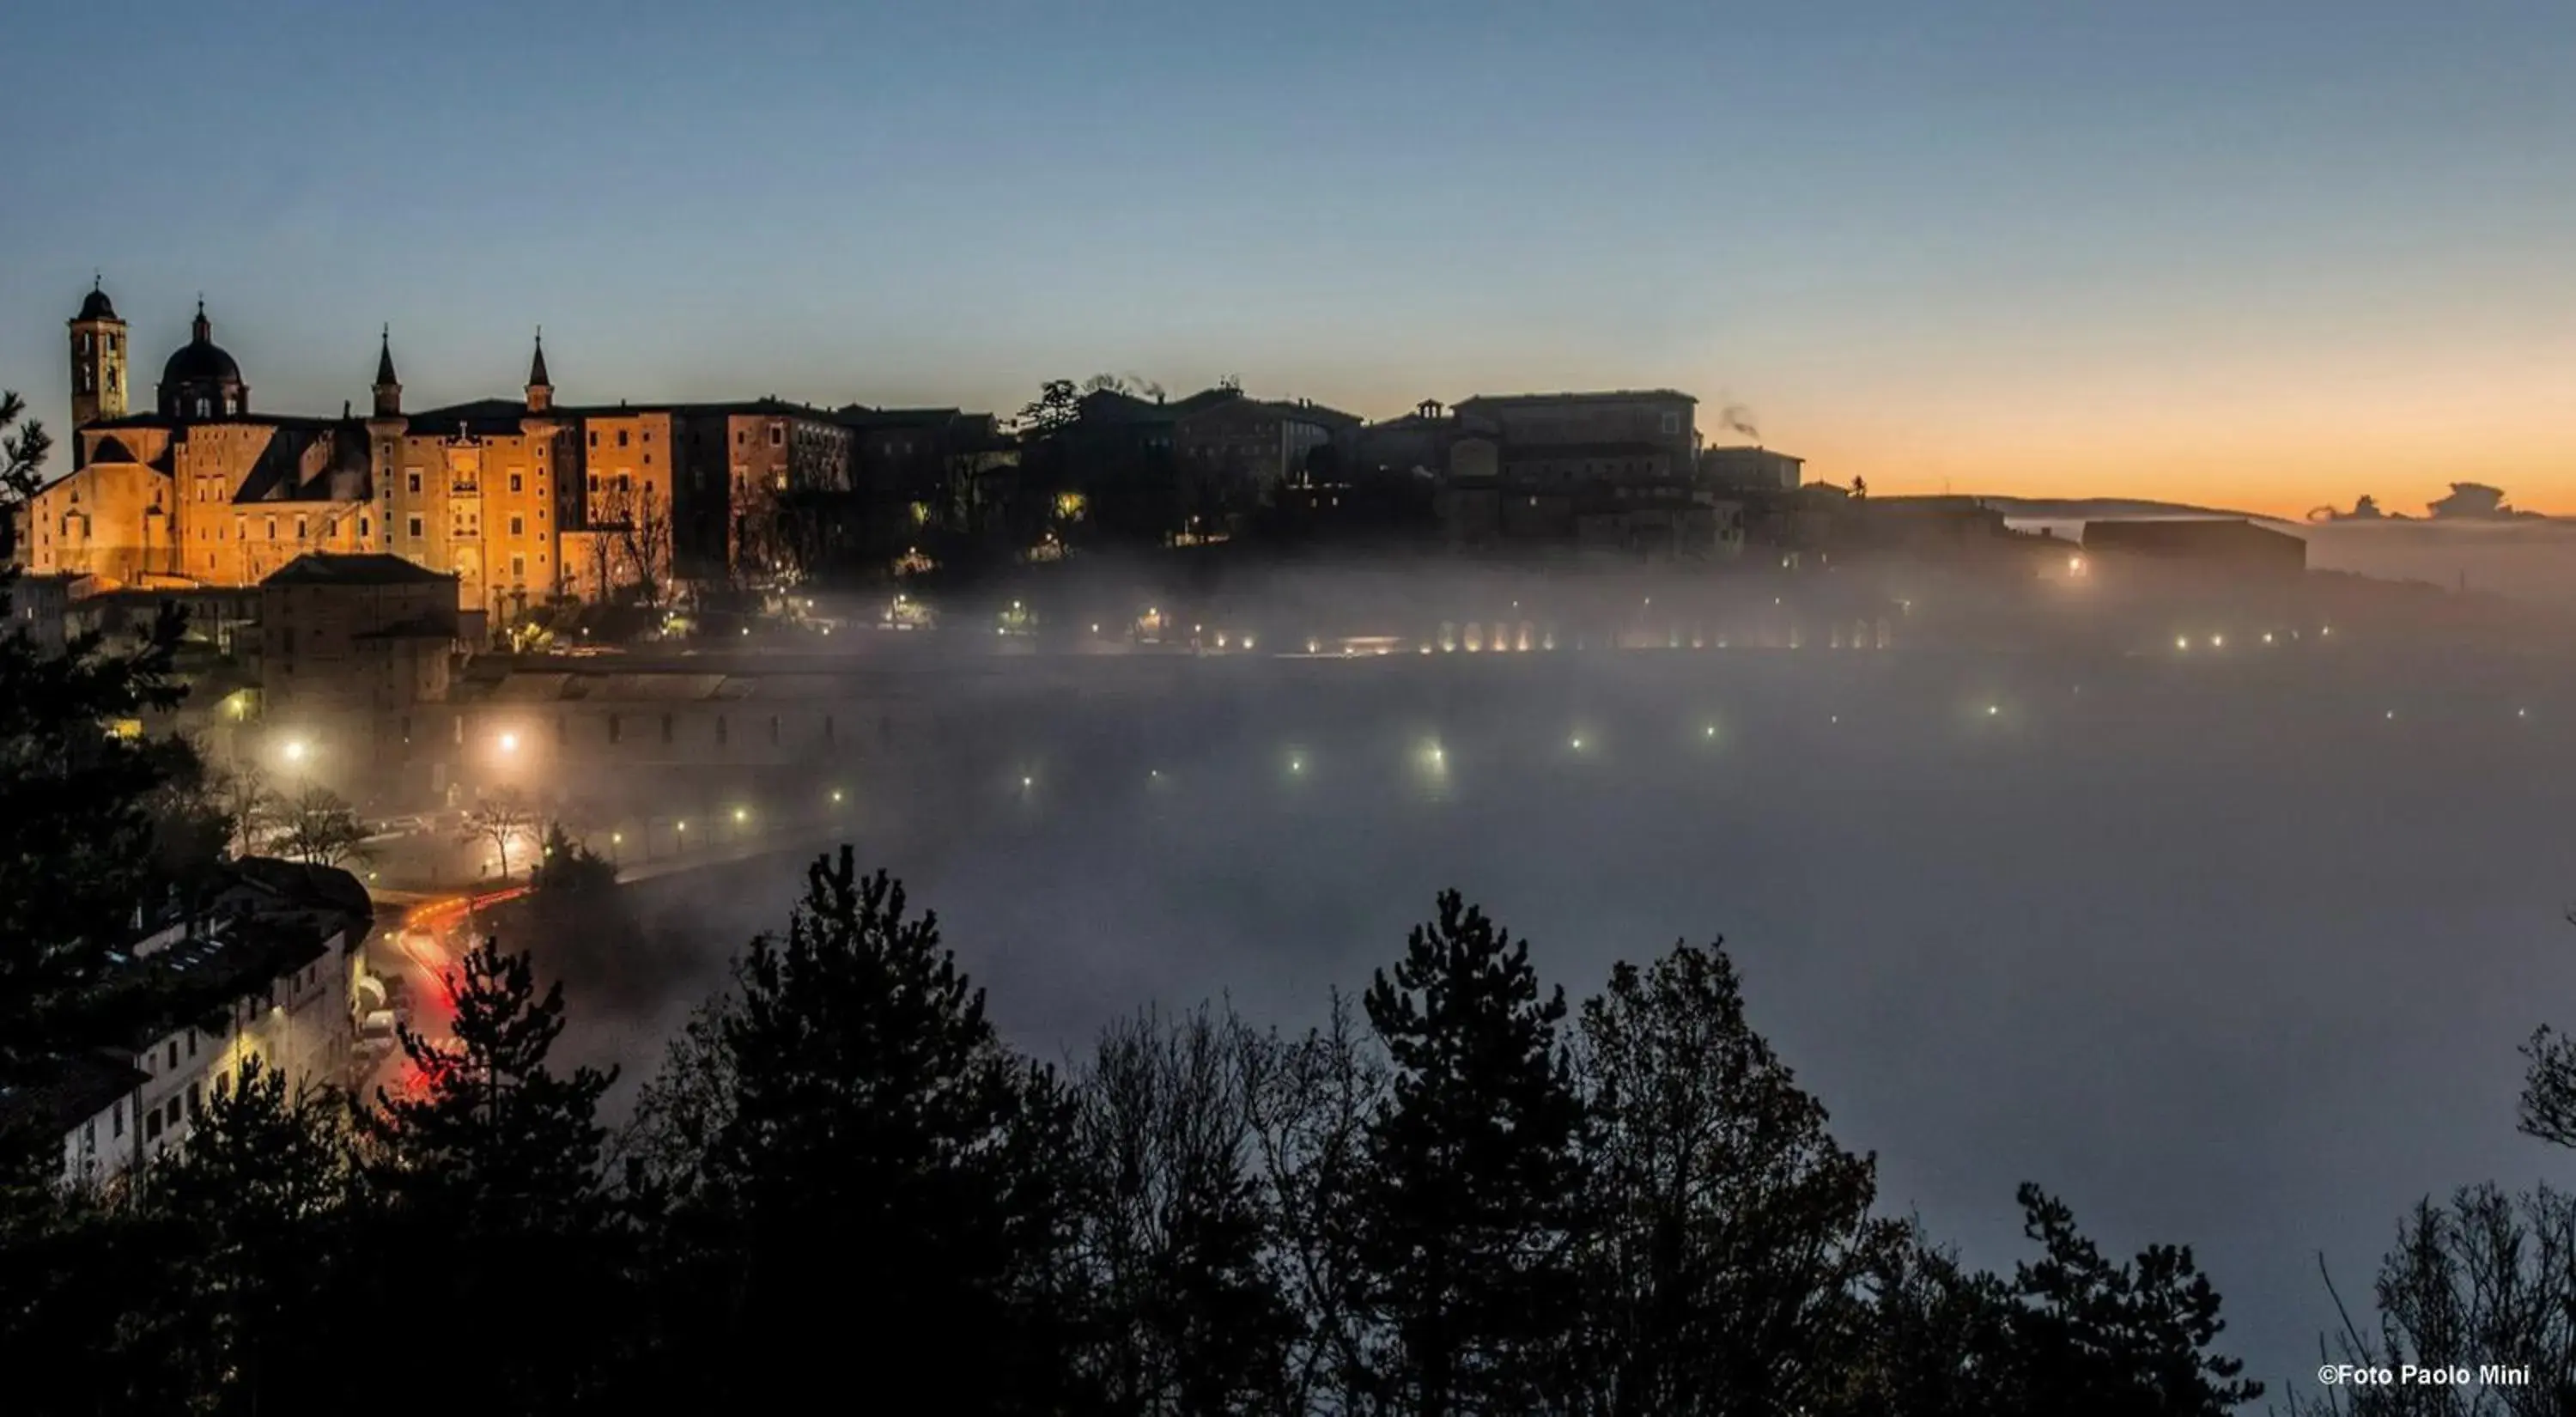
(1172, 1222)
(1735, 1236)
(881, 1141)
(1057, 407)
(317, 827)
(248, 1219)
(489, 1158)
(500, 819)
(1469, 1204)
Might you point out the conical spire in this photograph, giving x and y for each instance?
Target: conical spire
(541, 390)
(388, 388)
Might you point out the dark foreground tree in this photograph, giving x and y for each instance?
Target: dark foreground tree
(79, 848)
(486, 1162)
(2070, 1332)
(249, 1220)
(888, 1178)
(1734, 1236)
(1173, 1228)
(1469, 1205)
(1311, 1102)
(2487, 1279)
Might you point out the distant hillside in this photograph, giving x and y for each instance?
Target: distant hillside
(2080, 509)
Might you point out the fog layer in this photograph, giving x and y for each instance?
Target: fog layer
(2228, 948)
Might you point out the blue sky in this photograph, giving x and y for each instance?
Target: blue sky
(2275, 252)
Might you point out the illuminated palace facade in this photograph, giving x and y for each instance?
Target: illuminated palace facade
(522, 500)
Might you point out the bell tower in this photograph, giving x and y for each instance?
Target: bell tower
(98, 363)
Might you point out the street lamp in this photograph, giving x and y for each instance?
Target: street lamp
(509, 742)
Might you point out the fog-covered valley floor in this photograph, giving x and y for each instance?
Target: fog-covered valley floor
(2228, 948)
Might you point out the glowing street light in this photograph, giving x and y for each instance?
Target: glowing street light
(295, 750)
(836, 796)
(1709, 732)
(2182, 642)
(509, 742)
(1993, 709)
(741, 815)
(1576, 742)
(1027, 782)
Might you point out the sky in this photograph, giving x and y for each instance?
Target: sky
(2259, 256)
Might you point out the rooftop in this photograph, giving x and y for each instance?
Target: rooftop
(367, 568)
(1598, 396)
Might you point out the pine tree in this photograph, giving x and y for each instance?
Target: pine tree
(893, 1179)
(487, 1165)
(1469, 1208)
(79, 850)
(1726, 1275)
(250, 1221)
(2123, 1340)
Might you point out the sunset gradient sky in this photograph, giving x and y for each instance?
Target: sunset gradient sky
(2266, 256)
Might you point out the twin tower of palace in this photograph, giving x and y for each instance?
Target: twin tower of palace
(523, 501)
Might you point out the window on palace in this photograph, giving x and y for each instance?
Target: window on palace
(518, 526)
(514, 482)
(621, 437)
(415, 526)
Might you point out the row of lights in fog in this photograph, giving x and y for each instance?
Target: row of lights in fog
(2183, 642)
(1435, 758)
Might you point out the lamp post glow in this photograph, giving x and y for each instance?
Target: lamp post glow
(509, 742)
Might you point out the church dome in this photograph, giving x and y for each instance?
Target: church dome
(96, 306)
(201, 363)
(201, 380)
